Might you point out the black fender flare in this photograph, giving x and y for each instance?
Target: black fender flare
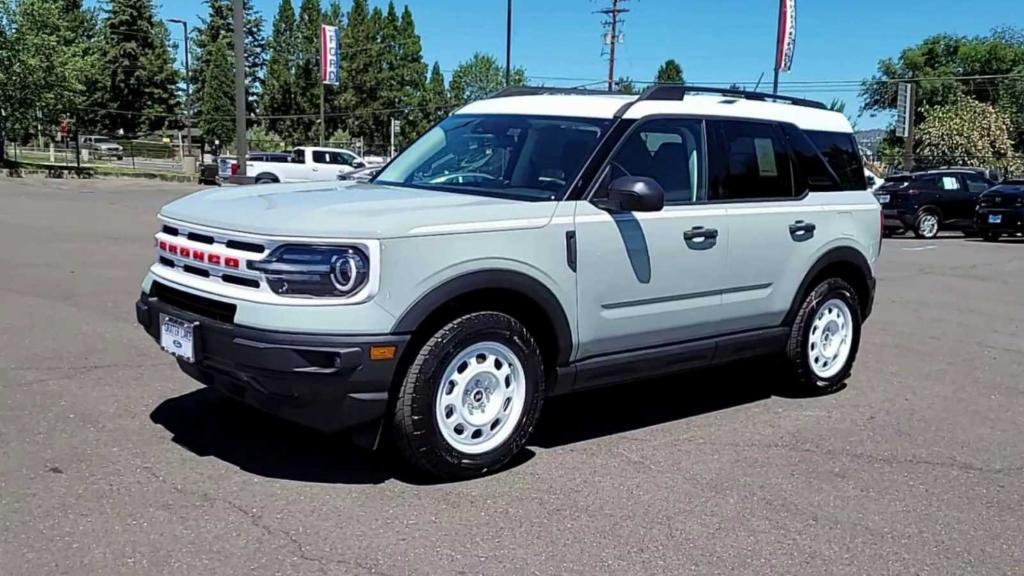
(838, 255)
(268, 176)
(519, 282)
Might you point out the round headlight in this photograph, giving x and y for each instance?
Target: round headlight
(345, 272)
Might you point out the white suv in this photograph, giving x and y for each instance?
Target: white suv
(531, 244)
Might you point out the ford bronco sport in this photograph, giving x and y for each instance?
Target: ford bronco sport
(533, 243)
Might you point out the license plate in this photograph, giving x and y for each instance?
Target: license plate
(177, 338)
(995, 218)
(883, 199)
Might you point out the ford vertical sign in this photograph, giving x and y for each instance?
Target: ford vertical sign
(330, 55)
(787, 35)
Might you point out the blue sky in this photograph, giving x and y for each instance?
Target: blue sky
(715, 40)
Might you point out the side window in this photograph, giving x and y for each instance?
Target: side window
(976, 184)
(753, 162)
(298, 156)
(842, 153)
(321, 157)
(668, 150)
(812, 173)
(949, 183)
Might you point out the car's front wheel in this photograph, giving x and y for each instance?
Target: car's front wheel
(471, 397)
(824, 338)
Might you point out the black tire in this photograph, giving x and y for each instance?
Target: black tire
(266, 181)
(416, 430)
(921, 227)
(990, 236)
(805, 380)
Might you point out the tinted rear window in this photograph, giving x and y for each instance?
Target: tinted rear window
(842, 154)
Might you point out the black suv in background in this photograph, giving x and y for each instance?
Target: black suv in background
(927, 202)
(1001, 211)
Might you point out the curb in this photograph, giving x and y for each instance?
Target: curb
(91, 174)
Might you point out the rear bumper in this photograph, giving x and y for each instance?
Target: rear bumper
(322, 381)
(1011, 221)
(897, 219)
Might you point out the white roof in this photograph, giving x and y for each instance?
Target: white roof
(605, 106)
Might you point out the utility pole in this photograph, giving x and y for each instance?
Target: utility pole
(905, 121)
(508, 44)
(612, 36)
(188, 86)
(241, 144)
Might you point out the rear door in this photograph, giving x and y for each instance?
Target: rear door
(777, 228)
(646, 279)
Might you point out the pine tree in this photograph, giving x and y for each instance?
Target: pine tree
(218, 26)
(217, 100)
(161, 93)
(359, 49)
(278, 95)
(141, 82)
(307, 73)
(411, 74)
(669, 73)
(435, 105)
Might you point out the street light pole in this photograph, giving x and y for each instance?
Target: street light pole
(241, 144)
(188, 87)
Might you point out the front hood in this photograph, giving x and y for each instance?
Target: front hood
(344, 210)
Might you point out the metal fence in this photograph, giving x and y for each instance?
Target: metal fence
(133, 155)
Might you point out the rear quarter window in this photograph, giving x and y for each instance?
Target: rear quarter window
(841, 152)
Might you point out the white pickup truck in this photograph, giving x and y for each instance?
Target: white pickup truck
(306, 164)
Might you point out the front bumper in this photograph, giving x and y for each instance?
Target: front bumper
(1011, 220)
(326, 382)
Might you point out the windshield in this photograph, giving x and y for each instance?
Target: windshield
(518, 157)
(101, 140)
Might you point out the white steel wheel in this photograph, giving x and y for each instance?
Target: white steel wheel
(481, 397)
(830, 339)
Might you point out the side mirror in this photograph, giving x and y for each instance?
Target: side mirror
(358, 164)
(634, 194)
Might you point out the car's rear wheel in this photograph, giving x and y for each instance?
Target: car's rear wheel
(824, 338)
(927, 225)
(471, 397)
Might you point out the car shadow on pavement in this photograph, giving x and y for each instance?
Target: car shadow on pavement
(207, 423)
(636, 405)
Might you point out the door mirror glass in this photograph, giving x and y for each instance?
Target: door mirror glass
(634, 194)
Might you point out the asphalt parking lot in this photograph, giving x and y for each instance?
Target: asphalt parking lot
(112, 462)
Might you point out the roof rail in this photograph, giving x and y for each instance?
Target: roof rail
(679, 91)
(541, 90)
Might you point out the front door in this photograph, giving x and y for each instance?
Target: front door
(646, 279)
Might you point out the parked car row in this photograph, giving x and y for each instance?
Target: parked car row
(964, 199)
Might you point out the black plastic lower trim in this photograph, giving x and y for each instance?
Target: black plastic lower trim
(327, 382)
(668, 359)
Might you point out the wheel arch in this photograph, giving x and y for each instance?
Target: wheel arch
(843, 262)
(500, 290)
(268, 176)
(934, 208)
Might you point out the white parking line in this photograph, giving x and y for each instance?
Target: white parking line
(920, 248)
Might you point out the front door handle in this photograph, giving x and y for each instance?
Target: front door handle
(701, 238)
(802, 231)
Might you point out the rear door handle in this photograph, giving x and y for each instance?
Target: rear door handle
(701, 238)
(802, 231)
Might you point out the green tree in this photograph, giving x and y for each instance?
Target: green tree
(217, 100)
(478, 77)
(46, 62)
(279, 90)
(141, 88)
(218, 26)
(837, 105)
(359, 69)
(669, 73)
(937, 62)
(967, 133)
(307, 73)
(435, 101)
